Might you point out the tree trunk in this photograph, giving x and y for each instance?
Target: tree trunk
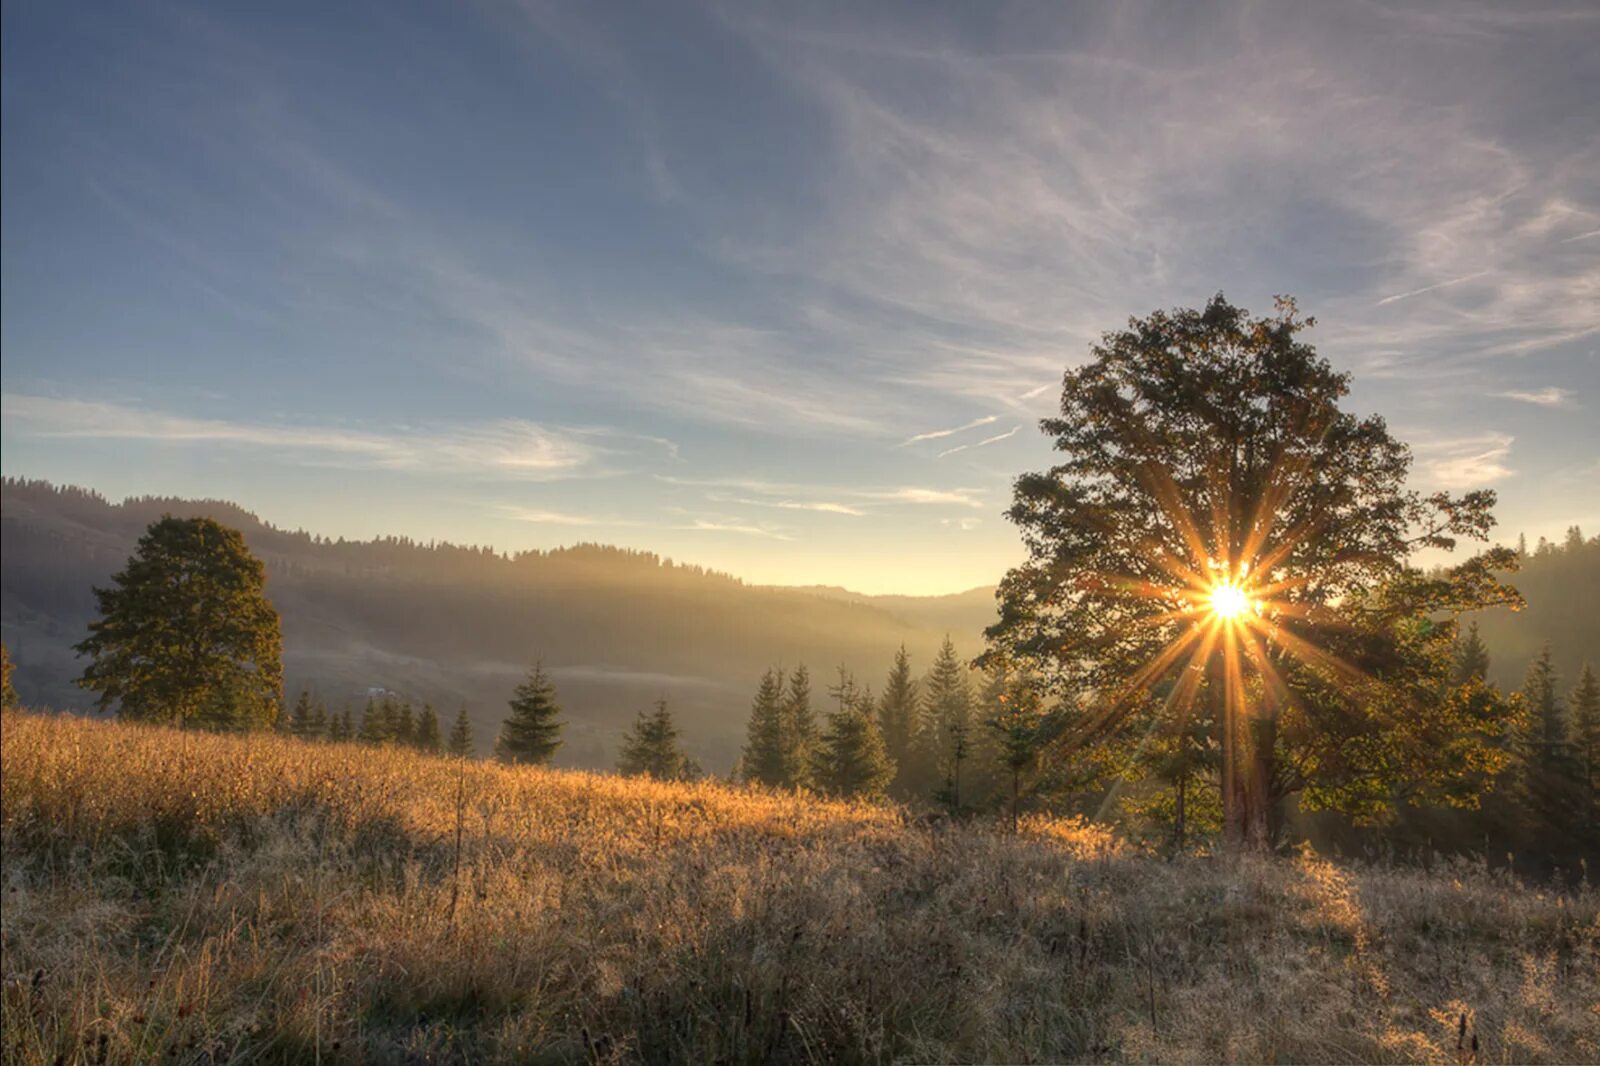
(1257, 822)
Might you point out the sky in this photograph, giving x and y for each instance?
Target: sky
(777, 289)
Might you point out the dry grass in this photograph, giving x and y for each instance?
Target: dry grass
(180, 897)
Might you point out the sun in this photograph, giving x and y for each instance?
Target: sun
(1228, 600)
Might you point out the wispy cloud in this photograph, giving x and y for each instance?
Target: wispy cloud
(938, 434)
(1551, 396)
(779, 490)
(708, 525)
(1465, 462)
(535, 516)
(1397, 297)
(985, 442)
(505, 447)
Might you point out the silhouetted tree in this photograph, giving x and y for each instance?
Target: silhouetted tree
(405, 725)
(427, 736)
(650, 747)
(302, 719)
(186, 633)
(1472, 657)
(532, 732)
(376, 721)
(461, 735)
(342, 727)
(1586, 737)
(1016, 721)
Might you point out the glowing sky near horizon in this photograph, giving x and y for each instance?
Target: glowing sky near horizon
(779, 291)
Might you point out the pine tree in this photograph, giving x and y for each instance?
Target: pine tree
(800, 730)
(405, 725)
(1472, 657)
(1014, 721)
(948, 724)
(427, 734)
(897, 720)
(1586, 736)
(1539, 689)
(375, 723)
(650, 747)
(461, 735)
(765, 760)
(342, 727)
(319, 721)
(532, 732)
(300, 719)
(851, 760)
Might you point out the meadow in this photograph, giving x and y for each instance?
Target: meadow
(184, 897)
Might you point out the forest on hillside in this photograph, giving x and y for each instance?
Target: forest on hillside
(454, 625)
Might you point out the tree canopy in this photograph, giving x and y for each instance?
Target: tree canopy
(1220, 532)
(186, 633)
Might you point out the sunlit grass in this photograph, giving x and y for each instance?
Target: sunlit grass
(180, 896)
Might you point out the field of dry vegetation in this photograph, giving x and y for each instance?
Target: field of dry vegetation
(195, 898)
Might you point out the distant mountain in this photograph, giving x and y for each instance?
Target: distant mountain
(617, 628)
(454, 625)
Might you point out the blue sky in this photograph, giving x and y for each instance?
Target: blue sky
(779, 289)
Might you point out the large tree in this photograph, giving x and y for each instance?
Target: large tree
(1220, 531)
(186, 634)
(532, 732)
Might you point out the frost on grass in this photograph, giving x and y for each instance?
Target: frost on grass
(190, 897)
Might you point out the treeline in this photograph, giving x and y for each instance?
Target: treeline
(384, 720)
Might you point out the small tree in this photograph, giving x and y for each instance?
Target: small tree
(650, 747)
(427, 734)
(799, 730)
(301, 718)
(532, 732)
(342, 726)
(1015, 724)
(851, 760)
(461, 735)
(405, 725)
(1549, 720)
(1586, 736)
(1472, 657)
(186, 633)
(766, 757)
(948, 721)
(897, 720)
(376, 722)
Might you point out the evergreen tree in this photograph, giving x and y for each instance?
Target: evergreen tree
(342, 727)
(897, 720)
(427, 734)
(1586, 737)
(300, 719)
(186, 634)
(1015, 722)
(1472, 657)
(532, 732)
(948, 724)
(851, 760)
(650, 747)
(1549, 721)
(766, 755)
(319, 721)
(461, 735)
(8, 695)
(800, 729)
(375, 722)
(405, 725)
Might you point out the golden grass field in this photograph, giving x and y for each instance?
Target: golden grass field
(180, 897)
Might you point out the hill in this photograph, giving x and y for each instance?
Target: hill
(452, 624)
(298, 899)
